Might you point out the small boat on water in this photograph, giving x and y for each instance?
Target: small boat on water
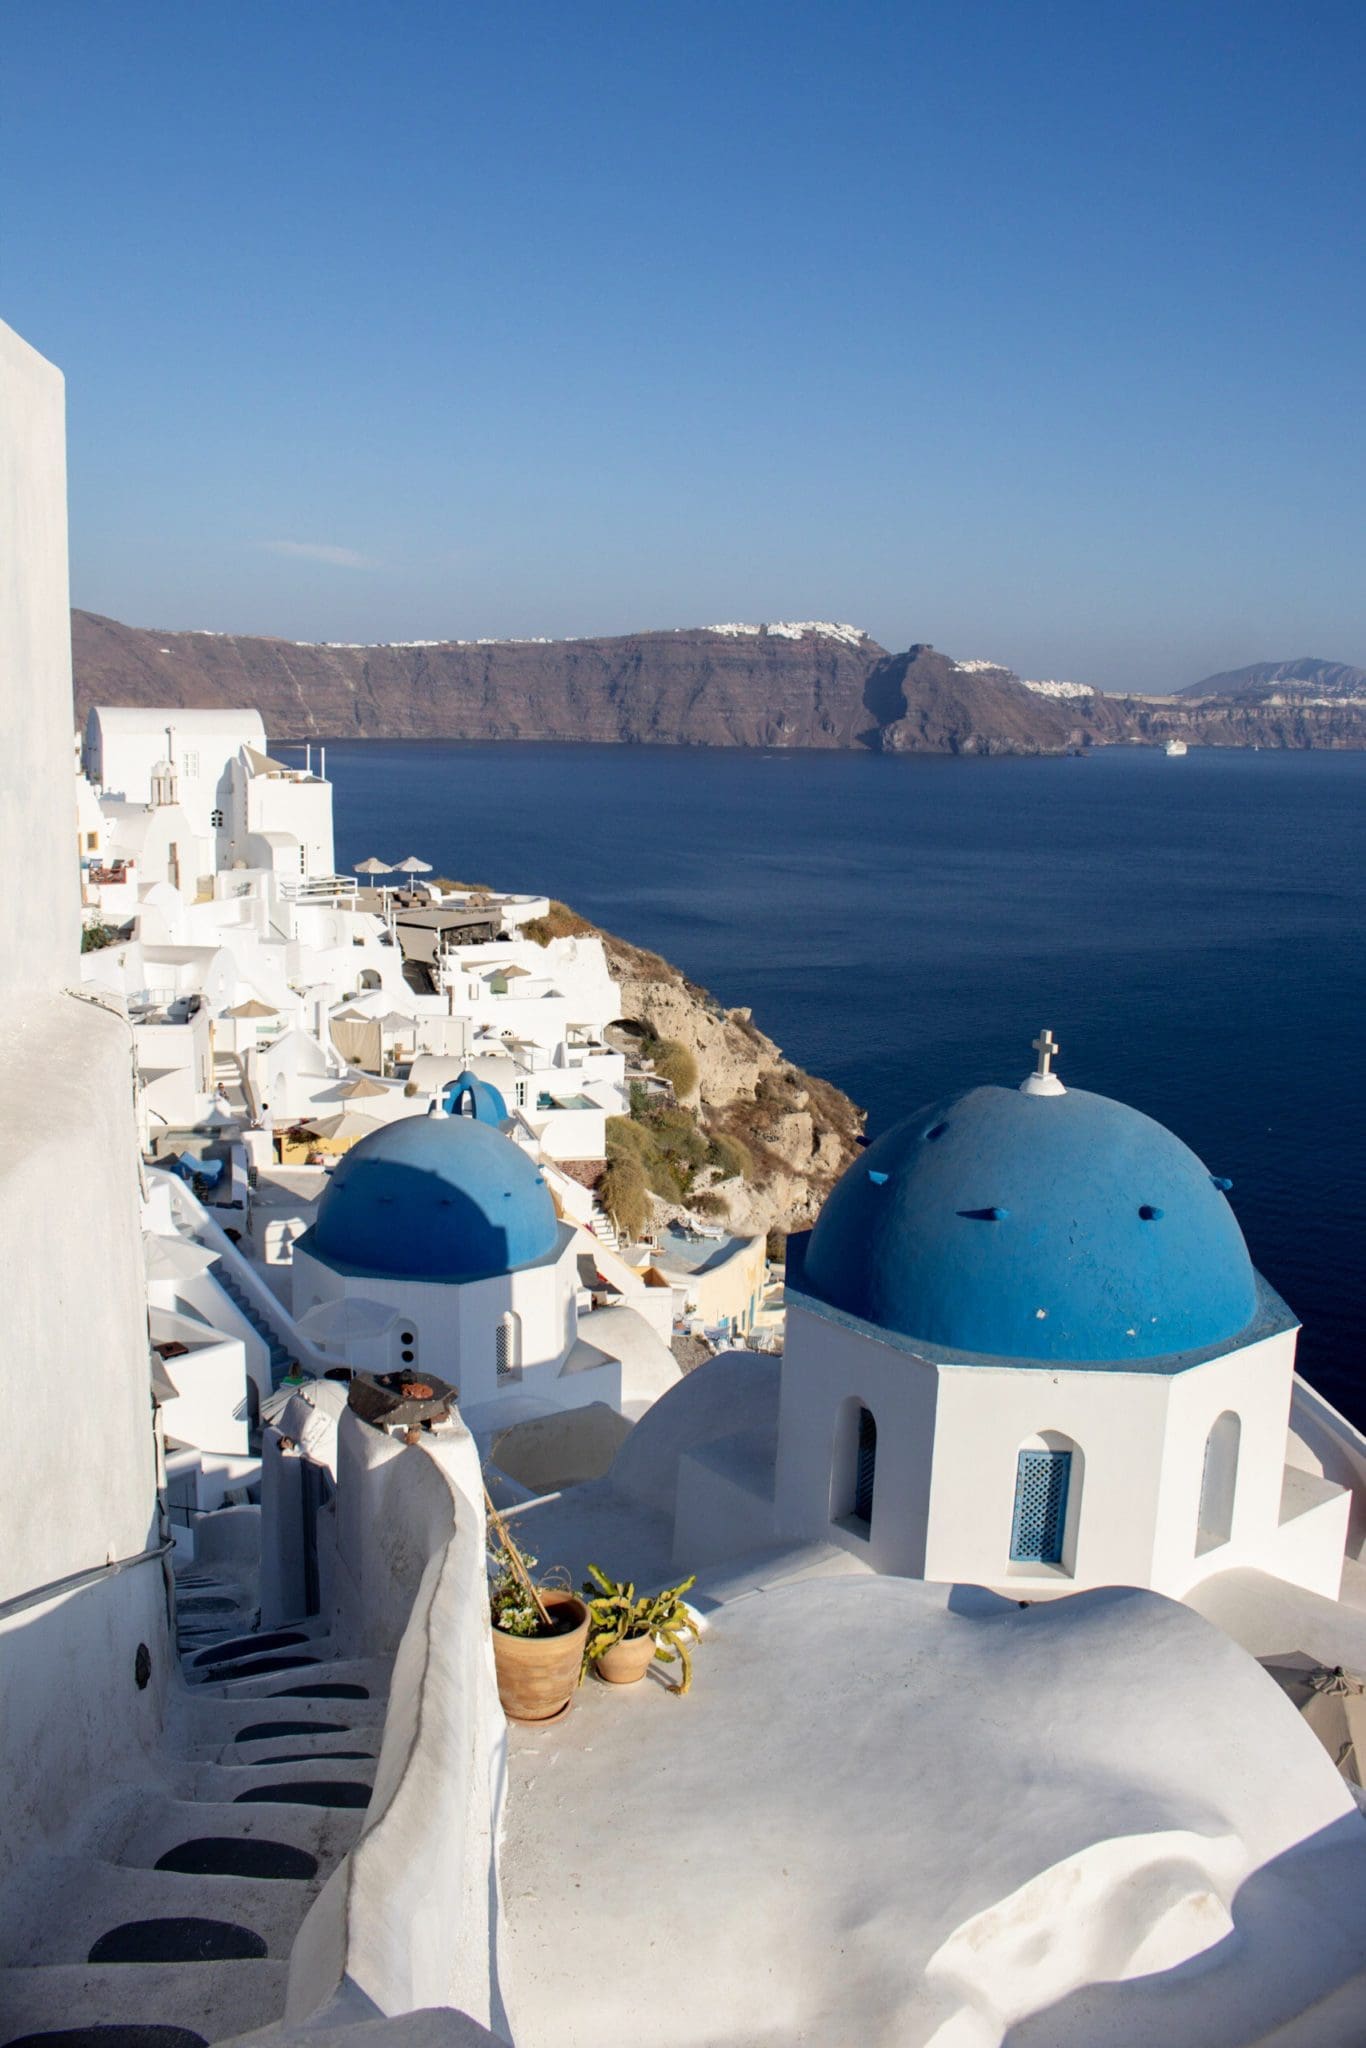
(1175, 749)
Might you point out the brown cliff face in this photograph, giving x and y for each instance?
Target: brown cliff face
(687, 688)
(814, 688)
(693, 688)
(934, 707)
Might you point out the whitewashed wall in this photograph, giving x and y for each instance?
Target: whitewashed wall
(81, 1475)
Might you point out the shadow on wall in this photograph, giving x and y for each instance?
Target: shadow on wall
(1275, 1970)
(83, 1684)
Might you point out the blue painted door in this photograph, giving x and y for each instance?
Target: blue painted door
(1041, 1481)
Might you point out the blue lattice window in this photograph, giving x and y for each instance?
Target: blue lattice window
(865, 1470)
(1041, 1482)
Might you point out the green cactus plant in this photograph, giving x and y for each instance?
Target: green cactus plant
(615, 1615)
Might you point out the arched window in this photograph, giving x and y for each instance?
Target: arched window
(1044, 1490)
(368, 978)
(508, 1346)
(1219, 1483)
(853, 1471)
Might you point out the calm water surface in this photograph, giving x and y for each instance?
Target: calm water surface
(1190, 929)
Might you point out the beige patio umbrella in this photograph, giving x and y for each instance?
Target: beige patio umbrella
(413, 867)
(339, 1133)
(362, 1085)
(373, 867)
(1333, 1703)
(253, 1007)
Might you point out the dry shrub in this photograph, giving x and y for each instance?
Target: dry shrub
(559, 922)
(623, 1194)
(676, 1064)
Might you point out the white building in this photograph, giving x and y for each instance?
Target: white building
(1026, 1347)
(946, 1816)
(447, 1233)
(212, 767)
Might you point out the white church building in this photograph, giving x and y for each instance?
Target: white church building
(440, 1233)
(1027, 1349)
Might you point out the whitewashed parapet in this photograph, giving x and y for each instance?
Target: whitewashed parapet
(411, 1918)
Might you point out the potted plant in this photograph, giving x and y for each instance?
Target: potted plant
(626, 1634)
(538, 1632)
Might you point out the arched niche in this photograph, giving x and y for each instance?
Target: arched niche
(507, 1345)
(1218, 1483)
(853, 1467)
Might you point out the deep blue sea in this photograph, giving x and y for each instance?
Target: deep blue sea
(1191, 930)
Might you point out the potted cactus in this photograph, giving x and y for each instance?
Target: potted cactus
(626, 1635)
(538, 1631)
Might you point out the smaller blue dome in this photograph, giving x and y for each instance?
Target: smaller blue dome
(435, 1198)
(468, 1096)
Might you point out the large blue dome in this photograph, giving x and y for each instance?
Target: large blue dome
(434, 1198)
(1040, 1227)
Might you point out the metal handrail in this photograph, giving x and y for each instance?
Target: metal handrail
(69, 1584)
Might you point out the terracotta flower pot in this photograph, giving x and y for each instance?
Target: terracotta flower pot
(626, 1663)
(537, 1674)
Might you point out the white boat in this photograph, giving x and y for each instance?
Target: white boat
(1175, 748)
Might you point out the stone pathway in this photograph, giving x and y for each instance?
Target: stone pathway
(168, 1922)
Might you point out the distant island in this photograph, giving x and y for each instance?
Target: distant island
(809, 683)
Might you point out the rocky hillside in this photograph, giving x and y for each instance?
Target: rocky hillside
(806, 685)
(930, 704)
(1278, 682)
(748, 1138)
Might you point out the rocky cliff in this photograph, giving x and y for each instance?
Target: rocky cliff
(808, 685)
(1306, 677)
(758, 1142)
(811, 684)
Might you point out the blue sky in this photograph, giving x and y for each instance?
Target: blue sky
(1035, 331)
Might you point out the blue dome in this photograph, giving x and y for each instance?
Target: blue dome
(435, 1198)
(485, 1102)
(1035, 1227)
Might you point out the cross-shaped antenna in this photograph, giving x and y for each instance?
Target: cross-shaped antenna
(1046, 1046)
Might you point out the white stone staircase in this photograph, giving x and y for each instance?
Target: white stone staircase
(604, 1229)
(172, 1912)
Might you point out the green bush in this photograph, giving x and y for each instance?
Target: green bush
(94, 937)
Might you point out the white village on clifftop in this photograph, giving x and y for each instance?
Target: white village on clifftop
(1020, 1573)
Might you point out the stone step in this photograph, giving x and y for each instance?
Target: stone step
(371, 1672)
(74, 1903)
(214, 2001)
(347, 1743)
(205, 1725)
(259, 1664)
(214, 1781)
(162, 1825)
(233, 1649)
